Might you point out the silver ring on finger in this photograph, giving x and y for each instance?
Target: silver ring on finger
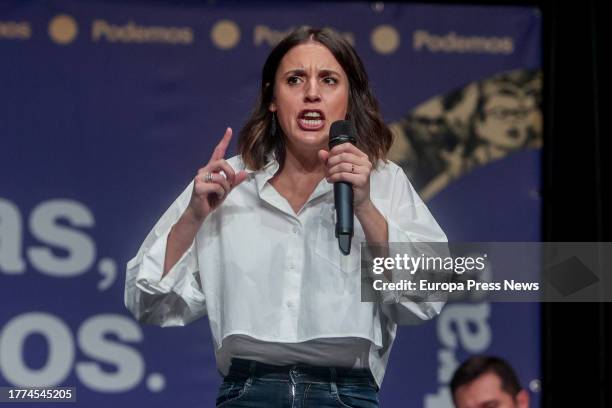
(208, 177)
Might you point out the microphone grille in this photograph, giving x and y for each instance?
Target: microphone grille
(342, 131)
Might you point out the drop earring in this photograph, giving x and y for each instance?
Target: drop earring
(273, 125)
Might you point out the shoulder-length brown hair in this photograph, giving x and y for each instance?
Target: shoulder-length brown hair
(258, 138)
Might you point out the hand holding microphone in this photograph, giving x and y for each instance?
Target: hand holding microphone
(349, 169)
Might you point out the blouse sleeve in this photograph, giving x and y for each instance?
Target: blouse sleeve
(176, 299)
(409, 220)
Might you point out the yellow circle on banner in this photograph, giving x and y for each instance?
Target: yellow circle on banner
(63, 29)
(385, 39)
(225, 34)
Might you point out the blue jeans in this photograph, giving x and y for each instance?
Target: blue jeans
(256, 385)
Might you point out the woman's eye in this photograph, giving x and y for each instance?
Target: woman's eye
(292, 80)
(330, 80)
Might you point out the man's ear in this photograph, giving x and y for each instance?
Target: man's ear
(522, 399)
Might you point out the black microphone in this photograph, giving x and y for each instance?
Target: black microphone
(343, 131)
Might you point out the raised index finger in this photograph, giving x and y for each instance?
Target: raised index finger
(219, 152)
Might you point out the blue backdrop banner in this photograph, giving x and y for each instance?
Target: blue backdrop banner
(109, 108)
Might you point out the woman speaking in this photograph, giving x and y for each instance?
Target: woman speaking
(251, 240)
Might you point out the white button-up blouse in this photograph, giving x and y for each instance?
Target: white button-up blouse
(262, 272)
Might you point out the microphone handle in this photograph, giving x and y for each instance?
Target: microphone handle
(343, 199)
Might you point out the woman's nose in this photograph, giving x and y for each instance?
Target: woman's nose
(312, 92)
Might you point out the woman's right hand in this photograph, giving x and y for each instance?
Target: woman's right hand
(210, 191)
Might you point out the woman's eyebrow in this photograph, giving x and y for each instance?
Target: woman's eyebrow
(296, 71)
(302, 72)
(325, 72)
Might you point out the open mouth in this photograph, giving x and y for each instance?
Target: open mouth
(311, 119)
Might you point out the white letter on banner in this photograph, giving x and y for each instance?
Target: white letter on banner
(60, 345)
(448, 365)
(462, 315)
(129, 363)
(11, 239)
(44, 226)
(442, 399)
